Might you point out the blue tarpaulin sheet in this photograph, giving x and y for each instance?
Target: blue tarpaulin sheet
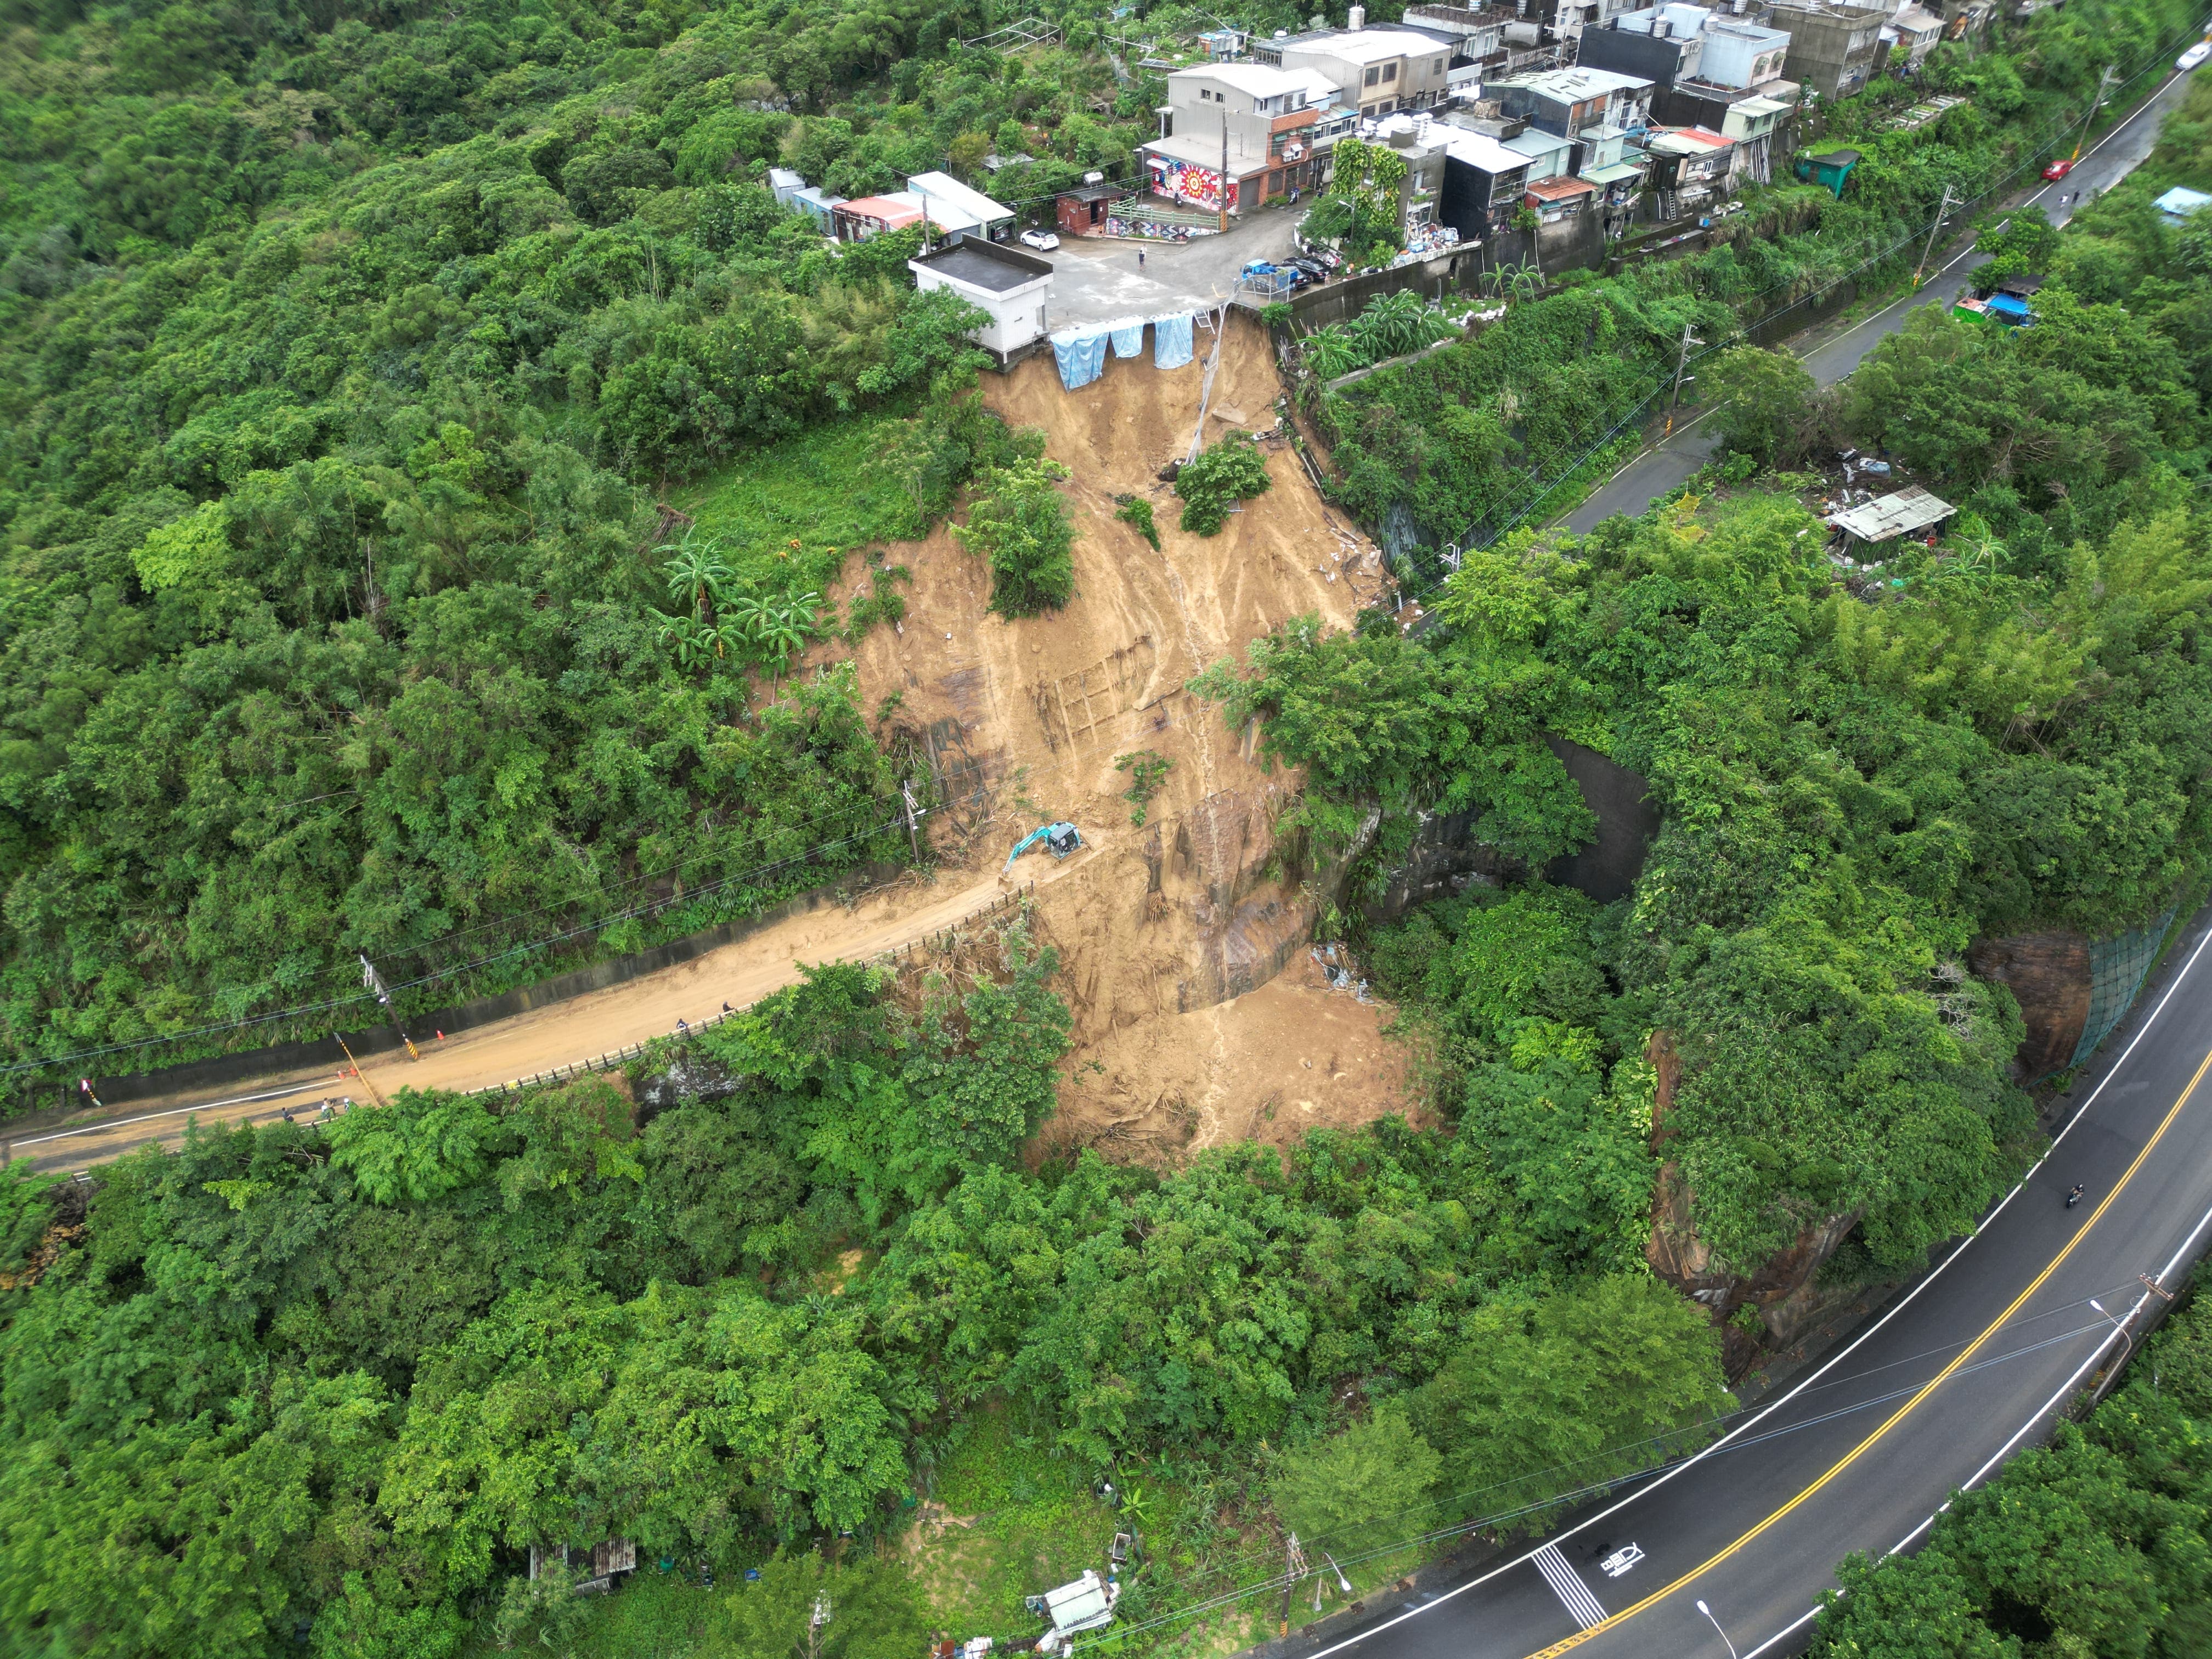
(1128, 336)
(1081, 354)
(1171, 341)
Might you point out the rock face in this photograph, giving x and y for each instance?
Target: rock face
(1782, 1289)
(1446, 857)
(2049, 974)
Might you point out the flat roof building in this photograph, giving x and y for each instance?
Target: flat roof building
(1013, 287)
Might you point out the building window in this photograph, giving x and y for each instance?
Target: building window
(1367, 112)
(1390, 72)
(1373, 76)
(1436, 68)
(1383, 108)
(1274, 184)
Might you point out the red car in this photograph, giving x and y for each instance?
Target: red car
(2060, 169)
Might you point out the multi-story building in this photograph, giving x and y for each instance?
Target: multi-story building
(1564, 20)
(1690, 168)
(1483, 183)
(1565, 101)
(1255, 122)
(1378, 71)
(1712, 70)
(1478, 33)
(1912, 33)
(1834, 50)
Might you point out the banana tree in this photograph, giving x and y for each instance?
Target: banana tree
(698, 576)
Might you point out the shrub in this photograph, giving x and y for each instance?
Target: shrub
(1232, 470)
(1020, 523)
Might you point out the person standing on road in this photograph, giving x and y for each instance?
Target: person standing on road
(1140, 259)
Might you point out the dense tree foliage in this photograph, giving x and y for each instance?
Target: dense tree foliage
(339, 348)
(2093, 1546)
(1850, 791)
(335, 1382)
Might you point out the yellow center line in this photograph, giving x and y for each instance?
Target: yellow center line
(1909, 1405)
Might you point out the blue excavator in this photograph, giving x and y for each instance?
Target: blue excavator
(1058, 839)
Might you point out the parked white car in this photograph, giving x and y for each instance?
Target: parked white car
(2195, 55)
(1042, 240)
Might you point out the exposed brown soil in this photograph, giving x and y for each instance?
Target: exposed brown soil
(1171, 932)
(1171, 936)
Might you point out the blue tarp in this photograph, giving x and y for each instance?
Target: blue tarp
(1081, 354)
(2006, 305)
(1171, 341)
(1128, 336)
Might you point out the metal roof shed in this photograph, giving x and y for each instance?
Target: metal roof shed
(1887, 517)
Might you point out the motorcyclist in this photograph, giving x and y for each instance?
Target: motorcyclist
(2074, 1196)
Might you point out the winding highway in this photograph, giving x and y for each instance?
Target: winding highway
(1974, 1361)
(1832, 354)
(1732, 1548)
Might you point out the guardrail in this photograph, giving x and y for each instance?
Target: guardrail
(939, 940)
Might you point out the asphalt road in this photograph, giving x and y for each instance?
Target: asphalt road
(1973, 1362)
(1832, 354)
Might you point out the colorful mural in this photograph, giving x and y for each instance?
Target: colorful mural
(1186, 182)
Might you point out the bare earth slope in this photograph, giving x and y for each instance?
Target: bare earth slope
(1172, 934)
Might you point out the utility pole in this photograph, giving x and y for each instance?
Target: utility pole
(1681, 363)
(1294, 1568)
(1929, 251)
(1224, 214)
(913, 840)
(2096, 103)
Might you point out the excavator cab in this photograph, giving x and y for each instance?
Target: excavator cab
(1058, 839)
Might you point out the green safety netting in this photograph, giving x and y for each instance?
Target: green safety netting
(2117, 967)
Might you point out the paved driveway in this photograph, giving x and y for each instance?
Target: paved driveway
(1096, 278)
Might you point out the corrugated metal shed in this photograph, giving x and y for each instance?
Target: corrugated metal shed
(1887, 517)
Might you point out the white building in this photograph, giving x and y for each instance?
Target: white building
(956, 209)
(1012, 286)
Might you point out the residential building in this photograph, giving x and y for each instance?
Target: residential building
(1566, 20)
(1258, 119)
(1834, 50)
(818, 206)
(1690, 168)
(1422, 142)
(1662, 45)
(1565, 101)
(1760, 127)
(1912, 33)
(1483, 183)
(957, 210)
(1550, 156)
(868, 217)
(1478, 33)
(1968, 20)
(1554, 199)
(1378, 71)
(1615, 168)
(1013, 287)
(784, 183)
(1740, 53)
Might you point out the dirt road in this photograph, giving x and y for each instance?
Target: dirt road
(571, 1032)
